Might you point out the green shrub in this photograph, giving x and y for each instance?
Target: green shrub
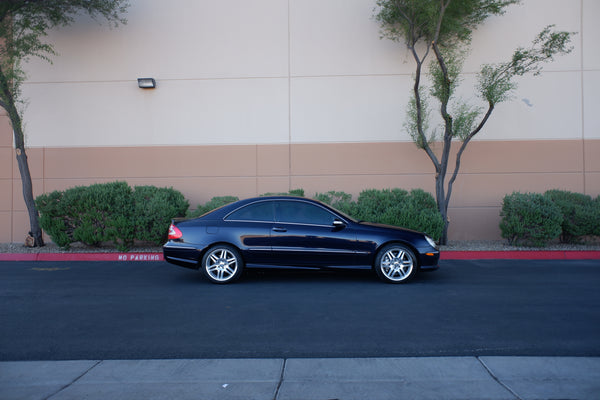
(91, 215)
(297, 192)
(108, 212)
(422, 214)
(293, 192)
(529, 219)
(416, 210)
(153, 210)
(580, 216)
(213, 204)
(378, 205)
(55, 217)
(596, 205)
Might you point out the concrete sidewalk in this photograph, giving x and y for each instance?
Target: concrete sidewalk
(436, 378)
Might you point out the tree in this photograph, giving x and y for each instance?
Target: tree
(23, 24)
(444, 29)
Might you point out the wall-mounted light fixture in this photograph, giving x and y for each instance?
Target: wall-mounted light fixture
(146, 83)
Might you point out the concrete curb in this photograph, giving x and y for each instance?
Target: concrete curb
(446, 255)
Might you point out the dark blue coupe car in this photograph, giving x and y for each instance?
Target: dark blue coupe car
(293, 232)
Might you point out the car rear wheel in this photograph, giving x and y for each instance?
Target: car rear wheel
(395, 263)
(222, 264)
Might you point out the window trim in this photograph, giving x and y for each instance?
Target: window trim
(337, 214)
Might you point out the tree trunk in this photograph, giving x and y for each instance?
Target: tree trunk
(34, 223)
(7, 102)
(442, 203)
(444, 237)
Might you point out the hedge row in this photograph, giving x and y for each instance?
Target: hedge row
(110, 212)
(533, 219)
(415, 210)
(121, 214)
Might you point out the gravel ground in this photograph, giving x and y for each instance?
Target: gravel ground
(470, 245)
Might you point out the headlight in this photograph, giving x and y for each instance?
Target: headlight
(431, 242)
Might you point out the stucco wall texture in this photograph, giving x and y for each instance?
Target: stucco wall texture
(270, 95)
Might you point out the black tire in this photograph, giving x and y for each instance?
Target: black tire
(396, 263)
(222, 264)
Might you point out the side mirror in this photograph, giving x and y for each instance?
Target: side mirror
(338, 223)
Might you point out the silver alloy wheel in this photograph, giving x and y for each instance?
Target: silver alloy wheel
(397, 264)
(221, 264)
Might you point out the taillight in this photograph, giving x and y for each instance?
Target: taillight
(174, 233)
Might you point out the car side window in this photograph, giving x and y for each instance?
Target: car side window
(303, 213)
(261, 211)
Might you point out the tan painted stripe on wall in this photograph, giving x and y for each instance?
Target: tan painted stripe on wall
(490, 169)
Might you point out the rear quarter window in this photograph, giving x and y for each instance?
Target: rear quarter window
(261, 211)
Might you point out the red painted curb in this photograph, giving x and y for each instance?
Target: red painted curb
(82, 257)
(521, 255)
(18, 257)
(446, 255)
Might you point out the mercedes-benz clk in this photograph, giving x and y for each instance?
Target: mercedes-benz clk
(294, 232)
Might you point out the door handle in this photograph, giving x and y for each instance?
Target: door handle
(278, 229)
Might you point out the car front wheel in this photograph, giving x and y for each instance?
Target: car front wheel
(222, 264)
(395, 263)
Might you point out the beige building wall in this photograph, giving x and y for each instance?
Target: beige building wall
(491, 170)
(270, 95)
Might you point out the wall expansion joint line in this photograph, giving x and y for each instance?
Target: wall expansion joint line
(289, 83)
(582, 77)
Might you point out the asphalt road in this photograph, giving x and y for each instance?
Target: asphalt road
(154, 310)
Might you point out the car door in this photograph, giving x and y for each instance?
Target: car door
(306, 234)
(249, 227)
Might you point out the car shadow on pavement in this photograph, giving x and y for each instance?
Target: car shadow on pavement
(253, 276)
